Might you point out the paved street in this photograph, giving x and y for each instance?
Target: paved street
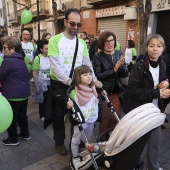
(39, 152)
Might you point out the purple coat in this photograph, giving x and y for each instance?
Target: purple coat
(14, 77)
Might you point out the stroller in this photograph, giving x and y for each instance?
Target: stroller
(126, 141)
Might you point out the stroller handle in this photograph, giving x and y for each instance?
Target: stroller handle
(110, 105)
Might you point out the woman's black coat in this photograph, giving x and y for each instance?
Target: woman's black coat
(103, 65)
(141, 86)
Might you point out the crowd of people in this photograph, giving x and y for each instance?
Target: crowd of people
(63, 60)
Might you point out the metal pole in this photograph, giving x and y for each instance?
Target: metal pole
(38, 19)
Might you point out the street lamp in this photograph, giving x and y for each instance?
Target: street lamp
(38, 19)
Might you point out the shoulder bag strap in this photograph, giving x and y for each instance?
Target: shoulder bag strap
(74, 59)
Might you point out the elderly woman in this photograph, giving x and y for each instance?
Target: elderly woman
(109, 66)
(15, 88)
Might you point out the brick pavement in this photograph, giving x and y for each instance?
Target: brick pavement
(39, 152)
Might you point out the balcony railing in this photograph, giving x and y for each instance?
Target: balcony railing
(95, 2)
(44, 9)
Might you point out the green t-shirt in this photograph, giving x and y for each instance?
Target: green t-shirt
(1, 59)
(42, 65)
(27, 62)
(117, 45)
(63, 49)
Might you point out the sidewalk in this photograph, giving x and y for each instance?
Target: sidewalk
(39, 152)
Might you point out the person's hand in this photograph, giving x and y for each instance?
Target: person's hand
(37, 90)
(163, 95)
(98, 84)
(104, 93)
(31, 62)
(119, 63)
(69, 104)
(122, 60)
(86, 146)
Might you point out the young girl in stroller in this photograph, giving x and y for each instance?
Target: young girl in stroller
(84, 95)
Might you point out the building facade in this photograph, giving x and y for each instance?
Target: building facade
(120, 17)
(159, 19)
(14, 12)
(3, 19)
(111, 15)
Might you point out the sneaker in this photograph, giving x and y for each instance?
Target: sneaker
(160, 168)
(77, 164)
(61, 150)
(43, 118)
(24, 137)
(7, 142)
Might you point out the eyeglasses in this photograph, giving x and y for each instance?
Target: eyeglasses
(73, 24)
(109, 41)
(26, 34)
(4, 47)
(87, 42)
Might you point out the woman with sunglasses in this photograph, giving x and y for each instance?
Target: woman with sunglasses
(14, 79)
(109, 66)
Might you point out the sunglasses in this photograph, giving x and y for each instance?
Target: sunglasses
(87, 42)
(73, 24)
(4, 47)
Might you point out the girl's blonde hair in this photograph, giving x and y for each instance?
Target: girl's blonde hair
(158, 37)
(77, 75)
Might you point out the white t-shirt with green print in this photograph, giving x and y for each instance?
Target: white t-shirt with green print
(61, 52)
(42, 65)
(89, 110)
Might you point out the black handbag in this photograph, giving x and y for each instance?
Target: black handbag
(59, 89)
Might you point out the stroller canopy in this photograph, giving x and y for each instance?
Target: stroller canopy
(132, 126)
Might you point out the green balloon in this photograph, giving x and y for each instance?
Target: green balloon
(29, 68)
(26, 17)
(6, 114)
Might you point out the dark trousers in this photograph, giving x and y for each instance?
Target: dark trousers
(42, 106)
(59, 125)
(19, 109)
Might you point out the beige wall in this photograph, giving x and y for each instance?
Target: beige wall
(44, 25)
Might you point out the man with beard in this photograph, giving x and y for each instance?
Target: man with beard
(27, 46)
(61, 50)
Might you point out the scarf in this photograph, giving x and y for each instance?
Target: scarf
(85, 93)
